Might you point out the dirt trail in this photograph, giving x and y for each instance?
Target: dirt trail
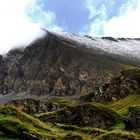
(23, 95)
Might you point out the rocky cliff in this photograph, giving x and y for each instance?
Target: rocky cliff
(56, 65)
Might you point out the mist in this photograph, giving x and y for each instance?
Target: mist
(16, 27)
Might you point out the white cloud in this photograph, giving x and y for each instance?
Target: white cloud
(96, 26)
(126, 23)
(36, 11)
(17, 27)
(94, 10)
(98, 12)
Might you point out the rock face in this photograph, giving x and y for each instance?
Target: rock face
(31, 106)
(118, 88)
(53, 65)
(49, 67)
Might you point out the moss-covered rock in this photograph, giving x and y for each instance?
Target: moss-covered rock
(92, 131)
(18, 125)
(38, 106)
(118, 135)
(133, 119)
(95, 115)
(73, 137)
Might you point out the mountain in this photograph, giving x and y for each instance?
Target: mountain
(81, 86)
(65, 64)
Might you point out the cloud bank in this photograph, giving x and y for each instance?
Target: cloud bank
(124, 22)
(20, 22)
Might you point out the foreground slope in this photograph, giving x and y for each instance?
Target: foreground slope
(15, 124)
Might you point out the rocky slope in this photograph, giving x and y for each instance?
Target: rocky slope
(119, 87)
(58, 65)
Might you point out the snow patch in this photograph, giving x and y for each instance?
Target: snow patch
(125, 47)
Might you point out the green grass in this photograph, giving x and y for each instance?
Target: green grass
(67, 127)
(129, 67)
(118, 135)
(120, 126)
(61, 102)
(93, 131)
(121, 106)
(13, 123)
(86, 130)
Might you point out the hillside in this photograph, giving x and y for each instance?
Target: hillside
(69, 87)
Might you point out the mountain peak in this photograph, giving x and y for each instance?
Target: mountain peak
(128, 47)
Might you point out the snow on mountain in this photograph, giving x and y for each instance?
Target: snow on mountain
(120, 46)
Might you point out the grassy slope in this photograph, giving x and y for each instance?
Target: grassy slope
(118, 135)
(122, 105)
(61, 102)
(128, 67)
(14, 124)
(90, 114)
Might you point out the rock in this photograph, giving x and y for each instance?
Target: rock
(57, 65)
(28, 136)
(118, 88)
(93, 115)
(133, 120)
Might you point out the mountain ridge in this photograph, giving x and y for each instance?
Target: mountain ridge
(67, 65)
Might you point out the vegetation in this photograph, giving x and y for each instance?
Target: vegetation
(129, 67)
(122, 105)
(16, 124)
(118, 135)
(61, 102)
(92, 114)
(66, 119)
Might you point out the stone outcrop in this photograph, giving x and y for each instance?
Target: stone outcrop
(133, 119)
(119, 87)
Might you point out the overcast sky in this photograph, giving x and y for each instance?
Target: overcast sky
(21, 20)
